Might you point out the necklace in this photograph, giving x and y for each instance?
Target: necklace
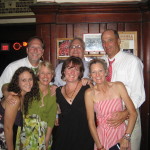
(73, 92)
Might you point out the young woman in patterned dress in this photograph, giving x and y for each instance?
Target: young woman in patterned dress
(25, 85)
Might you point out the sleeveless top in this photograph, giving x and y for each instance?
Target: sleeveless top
(18, 122)
(104, 109)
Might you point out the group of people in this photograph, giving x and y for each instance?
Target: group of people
(89, 111)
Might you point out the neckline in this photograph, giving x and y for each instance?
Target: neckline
(73, 92)
(95, 102)
(74, 97)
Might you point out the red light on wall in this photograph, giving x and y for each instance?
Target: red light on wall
(17, 46)
(24, 44)
(5, 47)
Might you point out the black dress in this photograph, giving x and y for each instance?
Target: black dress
(73, 131)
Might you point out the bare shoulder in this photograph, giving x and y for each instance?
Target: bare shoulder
(119, 85)
(89, 91)
(13, 101)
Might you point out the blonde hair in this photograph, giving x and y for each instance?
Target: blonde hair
(100, 61)
(47, 65)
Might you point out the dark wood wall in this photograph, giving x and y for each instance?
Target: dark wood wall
(67, 21)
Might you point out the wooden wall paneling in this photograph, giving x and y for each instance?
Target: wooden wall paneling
(103, 27)
(53, 45)
(38, 29)
(44, 33)
(61, 31)
(80, 29)
(112, 26)
(70, 31)
(97, 18)
(145, 109)
(93, 28)
(121, 26)
(46, 37)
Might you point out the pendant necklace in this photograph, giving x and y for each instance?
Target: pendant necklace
(73, 92)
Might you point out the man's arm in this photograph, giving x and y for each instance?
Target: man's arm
(137, 84)
(5, 78)
(57, 80)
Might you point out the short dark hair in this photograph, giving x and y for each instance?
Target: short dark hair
(36, 37)
(75, 61)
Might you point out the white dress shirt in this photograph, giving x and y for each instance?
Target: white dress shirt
(59, 82)
(128, 69)
(11, 68)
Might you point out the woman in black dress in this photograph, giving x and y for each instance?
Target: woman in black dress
(73, 132)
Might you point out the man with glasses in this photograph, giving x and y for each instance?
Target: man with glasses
(35, 50)
(76, 48)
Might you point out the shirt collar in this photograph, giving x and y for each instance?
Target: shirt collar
(116, 56)
(29, 64)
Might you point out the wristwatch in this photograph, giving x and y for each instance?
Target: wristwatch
(127, 136)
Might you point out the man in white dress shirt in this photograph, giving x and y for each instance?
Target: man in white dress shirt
(128, 69)
(35, 50)
(76, 48)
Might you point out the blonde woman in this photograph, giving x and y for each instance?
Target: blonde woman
(106, 98)
(40, 117)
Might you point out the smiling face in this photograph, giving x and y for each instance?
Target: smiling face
(76, 49)
(98, 73)
(35, 51)
(25, 82)
(111, 43)
(72, 73)
(45, 75)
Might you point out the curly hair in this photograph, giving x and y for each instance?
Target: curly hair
(34, 94)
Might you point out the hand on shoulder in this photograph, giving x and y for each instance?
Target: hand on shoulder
(12, 99)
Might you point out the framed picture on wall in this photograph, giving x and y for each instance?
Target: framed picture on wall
(93, 44)
(63, 47)
(129, 41)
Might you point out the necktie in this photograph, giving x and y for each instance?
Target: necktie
(35, 70)
(108, 77)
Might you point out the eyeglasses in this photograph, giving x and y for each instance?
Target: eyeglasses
(75, 46)
(33, 47)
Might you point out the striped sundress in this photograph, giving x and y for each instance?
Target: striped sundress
(108, 136)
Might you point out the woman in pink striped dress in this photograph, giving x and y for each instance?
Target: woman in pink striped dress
(106, 98)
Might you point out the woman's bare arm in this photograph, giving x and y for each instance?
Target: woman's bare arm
(89, 103)
(9, 119)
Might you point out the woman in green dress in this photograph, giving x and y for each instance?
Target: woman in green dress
(39, 117)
